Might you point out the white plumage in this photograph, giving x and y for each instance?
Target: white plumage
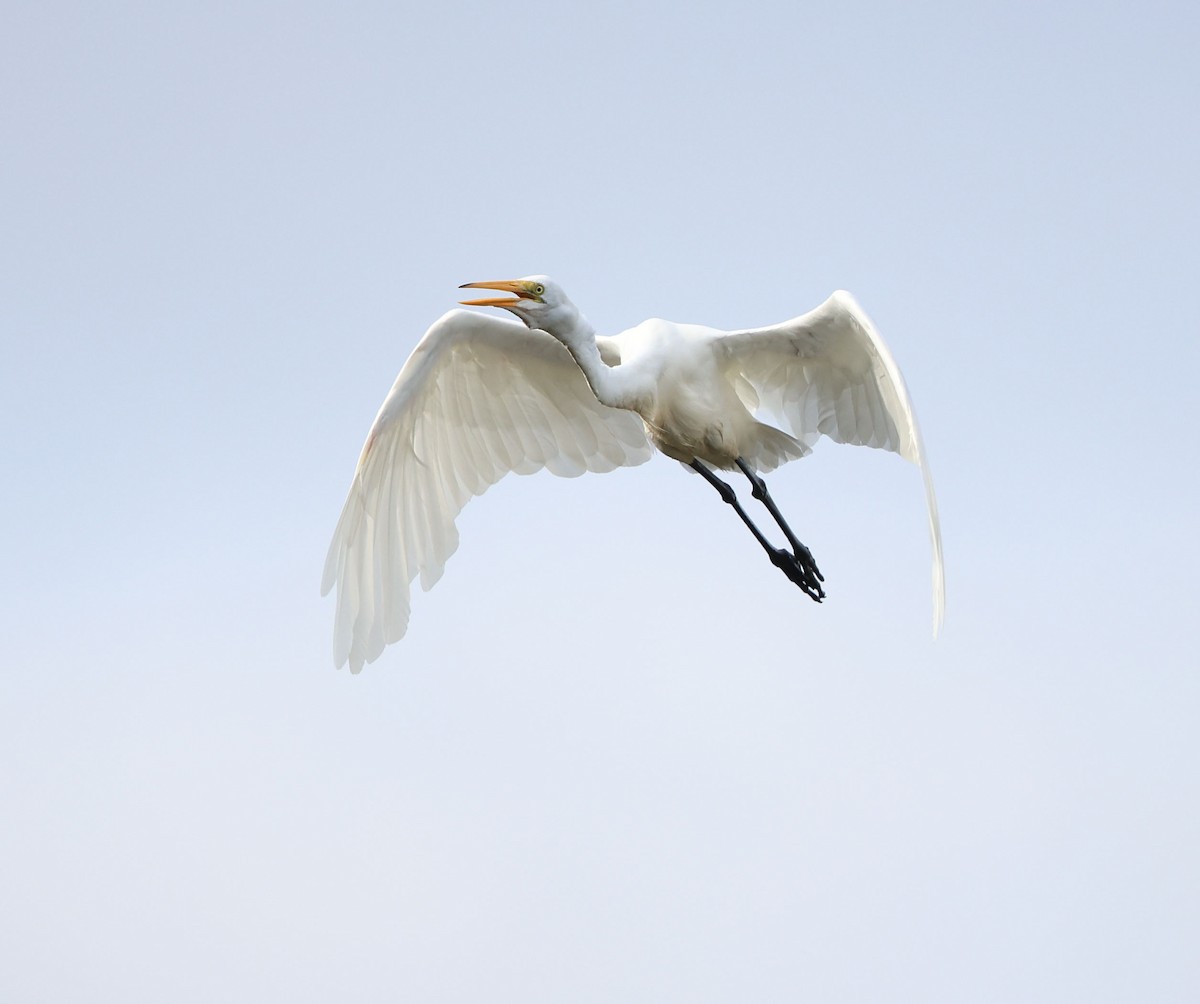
(481, 397)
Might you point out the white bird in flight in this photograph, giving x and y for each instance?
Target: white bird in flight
(482, 396)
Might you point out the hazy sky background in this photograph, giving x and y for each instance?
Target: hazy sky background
(618, 757)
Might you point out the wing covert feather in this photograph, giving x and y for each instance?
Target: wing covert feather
(479, 397)
(828, 372)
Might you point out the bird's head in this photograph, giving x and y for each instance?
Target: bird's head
(537, 300)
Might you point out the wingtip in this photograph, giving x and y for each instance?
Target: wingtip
(939, 595)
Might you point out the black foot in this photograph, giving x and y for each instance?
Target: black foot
(802, 570)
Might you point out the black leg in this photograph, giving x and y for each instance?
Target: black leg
(802, 572)
(759, 491)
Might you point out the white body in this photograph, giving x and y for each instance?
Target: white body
(690, 404)
(481, 397)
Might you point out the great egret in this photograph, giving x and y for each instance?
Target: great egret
(481, 396)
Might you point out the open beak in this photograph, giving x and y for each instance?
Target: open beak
(509, 286)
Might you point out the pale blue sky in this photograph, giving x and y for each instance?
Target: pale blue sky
(617, 757)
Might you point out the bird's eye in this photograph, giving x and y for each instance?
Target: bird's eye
(539, 289)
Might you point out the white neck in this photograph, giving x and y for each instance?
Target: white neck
(616, 387)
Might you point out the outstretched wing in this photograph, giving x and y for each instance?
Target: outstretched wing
(829, 373)
(479, 397)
